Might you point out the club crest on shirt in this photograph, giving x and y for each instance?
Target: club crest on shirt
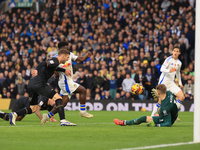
(75, 85)
(51, 62)
(178, 65)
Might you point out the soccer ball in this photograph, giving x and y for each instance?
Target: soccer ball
(137, 89)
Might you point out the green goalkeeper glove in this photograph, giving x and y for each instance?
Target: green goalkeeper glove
(151, 124)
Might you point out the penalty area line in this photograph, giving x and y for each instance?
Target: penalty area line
(158, 146)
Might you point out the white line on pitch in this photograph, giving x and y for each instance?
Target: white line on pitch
(51, 125)
(157, 146)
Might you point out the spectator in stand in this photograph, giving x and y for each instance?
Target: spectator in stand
(113, 87)
(13, 90)
(119, 82)
(4, 93)
(132, 30)
(21, 87)
(189, 88)
(82, 80)
(97, 97)
(127, 83)
(90, 80)
(107, 95)
(37, 6)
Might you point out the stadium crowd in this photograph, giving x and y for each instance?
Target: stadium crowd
(129, 40)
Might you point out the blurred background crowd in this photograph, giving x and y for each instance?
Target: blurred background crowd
(129, 40)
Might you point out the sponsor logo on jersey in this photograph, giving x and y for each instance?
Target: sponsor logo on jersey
(172, 64)
(66, 65)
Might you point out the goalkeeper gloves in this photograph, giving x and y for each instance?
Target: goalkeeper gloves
(154, 93)
(151, 124)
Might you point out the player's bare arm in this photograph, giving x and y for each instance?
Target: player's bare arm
(81, 59)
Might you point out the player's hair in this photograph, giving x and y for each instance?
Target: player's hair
(162, 88)
(177, 48)
(63, 51)
(62, 44)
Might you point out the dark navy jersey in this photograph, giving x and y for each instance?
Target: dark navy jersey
(22, 102)
(46, 69)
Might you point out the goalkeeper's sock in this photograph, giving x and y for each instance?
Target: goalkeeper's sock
(179, 103)
(155, 109)
(4, 116)
(136, 121)
(50, 114)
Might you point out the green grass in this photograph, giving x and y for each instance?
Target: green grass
(97, 133)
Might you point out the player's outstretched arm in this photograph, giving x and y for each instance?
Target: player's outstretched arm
(81, 59)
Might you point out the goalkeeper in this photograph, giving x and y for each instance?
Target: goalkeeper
(168, 111)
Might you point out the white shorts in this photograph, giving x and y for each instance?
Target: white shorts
(67, 87)
(171, 85)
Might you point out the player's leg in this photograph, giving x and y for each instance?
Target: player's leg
(19, 118)
(4, 115)
(65, 100)
(180, 97)
(51, 93)
(14, 115)
(136, 121)
(82, 98)
(26, 110)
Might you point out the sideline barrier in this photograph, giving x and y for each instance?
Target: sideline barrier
(6, 103)
(108, 105)
(122, 105)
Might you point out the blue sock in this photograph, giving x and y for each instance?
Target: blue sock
(82, 107)
(179, 101)
(50, 114)
(158, 105)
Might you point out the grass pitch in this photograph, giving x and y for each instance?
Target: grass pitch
(97, 133)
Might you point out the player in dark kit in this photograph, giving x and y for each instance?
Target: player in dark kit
(68, 86)
(168, 111)
(38, 86)
(44, 103)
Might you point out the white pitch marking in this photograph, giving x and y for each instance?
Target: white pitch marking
(157, 146)
(50, 125)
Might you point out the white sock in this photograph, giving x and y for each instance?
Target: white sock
(155, 109)
(179, 103)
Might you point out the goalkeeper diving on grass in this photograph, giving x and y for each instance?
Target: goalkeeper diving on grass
(168, 111)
